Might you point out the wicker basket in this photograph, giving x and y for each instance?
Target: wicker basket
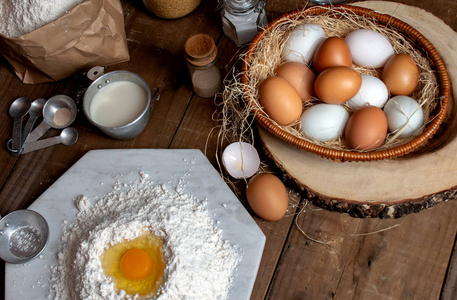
(351, 155)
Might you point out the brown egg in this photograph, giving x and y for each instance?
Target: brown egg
(336, 85)
(400, 74)
(366, 129)
(300, 77)
(333, 52)
(280, 100)
(267, 196)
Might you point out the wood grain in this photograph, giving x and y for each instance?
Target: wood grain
(407, 258)
(352, 258)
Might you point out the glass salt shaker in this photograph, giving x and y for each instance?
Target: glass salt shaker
(200, 53)
(241, 19)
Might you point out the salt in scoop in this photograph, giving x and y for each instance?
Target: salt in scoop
(23, 236)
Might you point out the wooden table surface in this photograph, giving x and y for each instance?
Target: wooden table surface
(314, 255)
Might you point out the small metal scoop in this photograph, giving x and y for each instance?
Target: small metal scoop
(58, 112)
(68, 136)
(17, 110)
(23, 236)
(35, 111)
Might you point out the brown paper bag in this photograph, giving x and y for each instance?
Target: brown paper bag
(92, 34)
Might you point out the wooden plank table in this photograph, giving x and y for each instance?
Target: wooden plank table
(315, 254)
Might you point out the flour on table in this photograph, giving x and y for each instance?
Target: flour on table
(19, 17)
(199, 263)
(82, 203)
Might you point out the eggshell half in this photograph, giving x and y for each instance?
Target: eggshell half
(241, 160)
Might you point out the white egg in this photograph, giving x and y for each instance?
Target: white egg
(324, 122)
(404, 115)
(372, 92)
(241, 160)
(369, 48)
(302, 43)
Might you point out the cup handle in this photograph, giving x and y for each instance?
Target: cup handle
(95, 73)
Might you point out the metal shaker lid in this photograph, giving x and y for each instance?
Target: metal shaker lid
(239, 6)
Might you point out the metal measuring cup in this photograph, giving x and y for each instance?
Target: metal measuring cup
(100, 81)
(23, 236)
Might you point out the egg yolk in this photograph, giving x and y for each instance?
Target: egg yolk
(136, 264)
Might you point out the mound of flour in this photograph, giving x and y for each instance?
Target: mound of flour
(19, 17)
(199, 263)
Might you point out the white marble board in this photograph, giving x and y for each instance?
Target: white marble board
(95, 174)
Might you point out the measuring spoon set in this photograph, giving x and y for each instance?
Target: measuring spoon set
(58, 112)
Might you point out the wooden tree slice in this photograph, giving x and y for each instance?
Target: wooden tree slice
(388, 188)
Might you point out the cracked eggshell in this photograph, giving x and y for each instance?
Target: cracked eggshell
(404, 111)
(240, 160)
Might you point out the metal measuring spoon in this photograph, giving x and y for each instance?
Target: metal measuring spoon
(52, 106)
(68, 136)
(35, 111)
(17, 110)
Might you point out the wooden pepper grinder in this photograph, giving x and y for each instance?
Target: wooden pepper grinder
(200, 54)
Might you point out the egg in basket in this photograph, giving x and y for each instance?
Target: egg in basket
(345, 83)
